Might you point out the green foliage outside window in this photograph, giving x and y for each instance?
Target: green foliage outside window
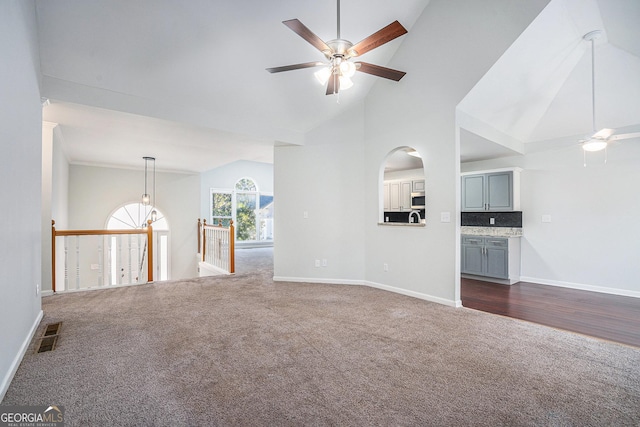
(247, 202)
(221, 205)
(246, 216)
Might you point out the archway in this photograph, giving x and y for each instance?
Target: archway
(402, 188)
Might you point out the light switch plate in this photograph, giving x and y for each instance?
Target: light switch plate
(546, 218)
(445, 216)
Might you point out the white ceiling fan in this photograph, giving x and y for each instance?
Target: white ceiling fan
(600, 138)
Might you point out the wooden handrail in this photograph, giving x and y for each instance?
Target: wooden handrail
(97, 232)
(204, 238)
(199, 233)
(55, 233)
(150, 251)
(232, 248)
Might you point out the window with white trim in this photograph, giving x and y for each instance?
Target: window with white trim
(250, 210)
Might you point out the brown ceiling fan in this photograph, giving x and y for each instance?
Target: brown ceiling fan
(338, 71)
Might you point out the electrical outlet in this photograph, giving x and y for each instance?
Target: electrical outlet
(305, 215)
(95, 266)
(317, 263)
(385, 266)
(324, 263)
(492, 221)
(546, 218)
(445, 216)
(37, 289)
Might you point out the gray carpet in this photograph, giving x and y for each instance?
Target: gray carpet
(246, 351)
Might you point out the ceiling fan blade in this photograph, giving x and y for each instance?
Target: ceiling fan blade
(333, 84)
(625, 136)
(379, 71)
(603, 134)
(300, 29)
(295, 67)
(385, 35)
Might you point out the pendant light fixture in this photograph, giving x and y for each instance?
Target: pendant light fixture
(146, 198)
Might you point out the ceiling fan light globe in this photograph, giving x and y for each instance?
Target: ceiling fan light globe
(322, 75)
(345, 83)
(347, 69)
(594, 145)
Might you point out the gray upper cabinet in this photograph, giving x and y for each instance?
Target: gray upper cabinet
(488, 192)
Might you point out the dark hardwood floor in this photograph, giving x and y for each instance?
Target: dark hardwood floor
(610, 317)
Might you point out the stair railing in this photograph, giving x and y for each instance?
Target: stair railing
(100, 255)
(216, 245)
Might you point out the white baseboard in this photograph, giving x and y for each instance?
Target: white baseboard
(318, 280)
(206, 269)
(6, 381)
(426, 297)
(582, 287)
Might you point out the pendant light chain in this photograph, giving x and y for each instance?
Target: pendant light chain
(145, 176)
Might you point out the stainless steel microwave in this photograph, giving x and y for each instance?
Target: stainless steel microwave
(417, 200)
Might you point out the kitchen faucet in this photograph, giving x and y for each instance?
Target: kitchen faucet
(417, 215)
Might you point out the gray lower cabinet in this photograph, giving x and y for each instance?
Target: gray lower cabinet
(485, 256)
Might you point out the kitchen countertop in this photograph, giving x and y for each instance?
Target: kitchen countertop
(491, 231)
(403, 224)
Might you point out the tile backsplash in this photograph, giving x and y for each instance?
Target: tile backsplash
(483, 219)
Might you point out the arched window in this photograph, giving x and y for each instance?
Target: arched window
(136, 215)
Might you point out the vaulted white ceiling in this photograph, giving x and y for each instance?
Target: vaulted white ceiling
(539, 92)
(198, 68)
(186, 81)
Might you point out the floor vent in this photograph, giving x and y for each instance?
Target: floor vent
(49, 338)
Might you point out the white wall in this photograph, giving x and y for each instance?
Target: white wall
(20, 184)
(227, 176)
(324, 178)
(447, 51)
(60, 182)
(46, 192)
(593, 240)
(95, 192)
